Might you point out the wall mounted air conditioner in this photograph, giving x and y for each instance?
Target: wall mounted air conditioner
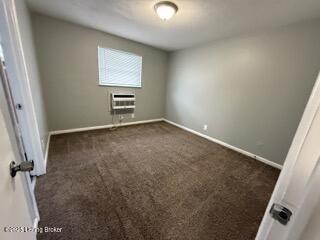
(123, 101)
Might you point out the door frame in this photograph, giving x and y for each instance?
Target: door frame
(286, 174)
(18, 77)
(308, 205)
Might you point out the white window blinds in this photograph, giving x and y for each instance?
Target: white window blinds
(117, 68)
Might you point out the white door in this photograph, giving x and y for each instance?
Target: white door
(12, 17)
(17, 129)
(298, 186)
(16, 213)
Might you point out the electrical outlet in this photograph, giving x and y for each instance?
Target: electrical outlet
(205, 127)
(132, 115)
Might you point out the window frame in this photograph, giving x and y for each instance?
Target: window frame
(118, 84)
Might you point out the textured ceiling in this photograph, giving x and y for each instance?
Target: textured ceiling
(197, 21)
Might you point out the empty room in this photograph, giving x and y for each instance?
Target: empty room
(160, 120)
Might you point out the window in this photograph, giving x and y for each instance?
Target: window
(117, 68)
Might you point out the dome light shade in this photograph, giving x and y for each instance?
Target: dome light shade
(165, 9)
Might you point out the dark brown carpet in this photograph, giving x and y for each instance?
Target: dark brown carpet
(150, 181)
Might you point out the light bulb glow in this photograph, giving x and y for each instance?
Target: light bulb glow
(165, 10)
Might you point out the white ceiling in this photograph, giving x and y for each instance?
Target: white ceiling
(197, 21)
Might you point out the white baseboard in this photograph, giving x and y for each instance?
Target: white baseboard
(261, 159)
(102, 126)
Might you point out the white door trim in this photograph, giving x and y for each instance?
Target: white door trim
(309, 204)
(17, 71)
(291, 160)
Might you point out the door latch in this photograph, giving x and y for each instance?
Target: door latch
(18, 106)
(26, 166)
(280, 213)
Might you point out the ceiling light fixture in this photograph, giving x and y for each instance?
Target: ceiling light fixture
(165, 9)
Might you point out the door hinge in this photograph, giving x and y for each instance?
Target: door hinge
(280, 213)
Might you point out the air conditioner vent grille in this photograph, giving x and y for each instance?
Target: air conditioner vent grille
(121, 103)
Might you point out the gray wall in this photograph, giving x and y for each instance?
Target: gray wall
(67, 54)
(24, 21)
(251, 91)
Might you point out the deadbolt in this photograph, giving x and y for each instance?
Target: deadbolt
(26, 166)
